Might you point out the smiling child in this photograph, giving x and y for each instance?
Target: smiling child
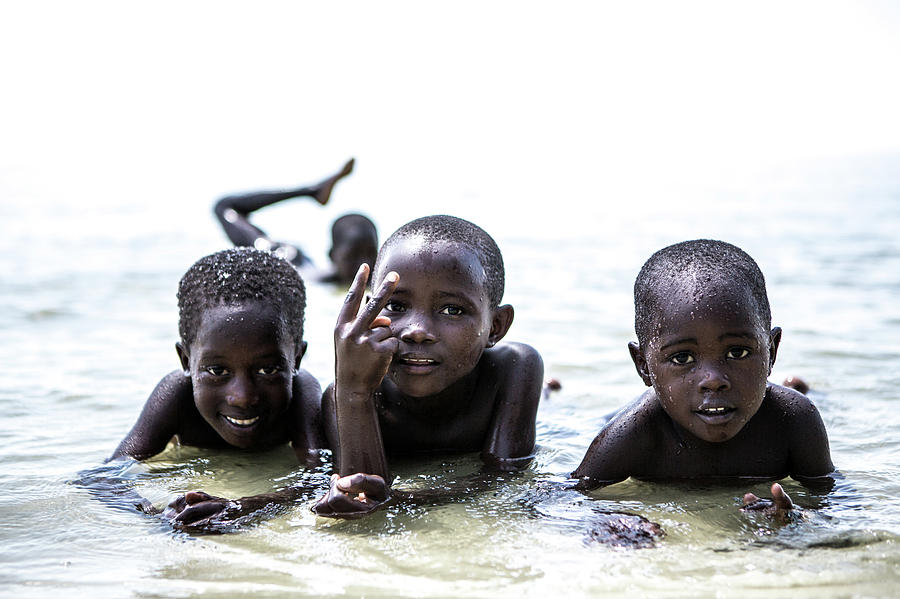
(419, 369)
(241, 385)
(705, 348)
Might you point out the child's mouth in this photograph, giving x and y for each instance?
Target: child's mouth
(242, 422)
(715, 414)
(417, 364)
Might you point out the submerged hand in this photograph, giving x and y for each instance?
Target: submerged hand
(196, 508)
(779, 507)
(353, 496)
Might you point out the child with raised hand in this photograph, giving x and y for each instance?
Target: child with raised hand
(241, 327)
(419, 369)
(705, 348)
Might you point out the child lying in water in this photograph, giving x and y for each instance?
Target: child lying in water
(705, 348)
(241, 385)
(419, 369)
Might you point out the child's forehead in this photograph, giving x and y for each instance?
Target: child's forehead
(724, 301)
(419, 253)
(242, 315)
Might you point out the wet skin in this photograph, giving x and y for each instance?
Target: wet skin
(242, 374)
(417, 370)
(710, 412)
(241, 387)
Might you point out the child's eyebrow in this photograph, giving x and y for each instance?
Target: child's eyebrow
(679, 342)
(739, 335)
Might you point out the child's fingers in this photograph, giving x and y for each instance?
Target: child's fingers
(381, 321)
(780, 497)
(365, 484)
(354, 296)
(378, 302)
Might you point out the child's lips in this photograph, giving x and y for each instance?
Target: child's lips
(417, 364)
(715, 413)
(241, 422)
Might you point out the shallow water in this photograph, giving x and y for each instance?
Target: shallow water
(88, 322)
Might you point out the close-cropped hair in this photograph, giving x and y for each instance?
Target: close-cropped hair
(239, 275)
(441, 227)
(706, 262)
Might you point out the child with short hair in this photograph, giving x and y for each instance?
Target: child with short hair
(705, 348)
(241, 327)
(419, 369)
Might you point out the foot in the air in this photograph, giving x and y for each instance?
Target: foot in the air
(322, 191)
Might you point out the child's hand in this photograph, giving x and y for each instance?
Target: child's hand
(353, 496)
(363, 343)
(196, 508)
(779, 507)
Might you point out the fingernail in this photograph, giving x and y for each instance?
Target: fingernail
(392, 277)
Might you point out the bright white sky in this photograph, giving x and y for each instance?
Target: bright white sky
(526, 97)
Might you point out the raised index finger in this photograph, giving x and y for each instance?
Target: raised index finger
(378, 302)
(354, 296)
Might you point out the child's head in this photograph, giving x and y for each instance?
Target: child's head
(446, 309)
(241, 327)
(354, 241)
(703, 322)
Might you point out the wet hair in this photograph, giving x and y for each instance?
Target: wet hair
(441, 227)
(240, 275)
(712, 262)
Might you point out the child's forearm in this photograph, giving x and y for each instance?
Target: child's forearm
(359, 435)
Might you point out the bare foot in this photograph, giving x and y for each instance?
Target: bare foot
(322, 191)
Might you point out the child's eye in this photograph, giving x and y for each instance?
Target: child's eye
(268, 370)
(682, 358)
(452, 310)
(217, 370)
(393, 306)
(737, 353)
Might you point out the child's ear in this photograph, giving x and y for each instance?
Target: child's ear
(184, 357)
(300, 354)
(640, 363)
(774, 340)
(501, 320)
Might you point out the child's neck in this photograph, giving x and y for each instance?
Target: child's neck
(440, 406)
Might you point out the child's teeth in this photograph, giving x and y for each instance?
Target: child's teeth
(242, 422)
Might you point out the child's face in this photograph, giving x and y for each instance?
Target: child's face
(440, 313)
(242, 371)
(709, 361)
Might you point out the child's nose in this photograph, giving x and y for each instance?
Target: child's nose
(241, 392)
(416, 330)
(713, 378)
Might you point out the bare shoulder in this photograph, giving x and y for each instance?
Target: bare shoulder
(306, 428)
(807, 440)
(160, 419)
(512, 357)
(790, 404)
(515, 370)
(308, 386)
(623, 444)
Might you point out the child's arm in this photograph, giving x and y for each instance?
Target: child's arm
(618, 447)
(307, 435)
(158, 421)
(364, 348)
(810, 455)
(510, 442)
